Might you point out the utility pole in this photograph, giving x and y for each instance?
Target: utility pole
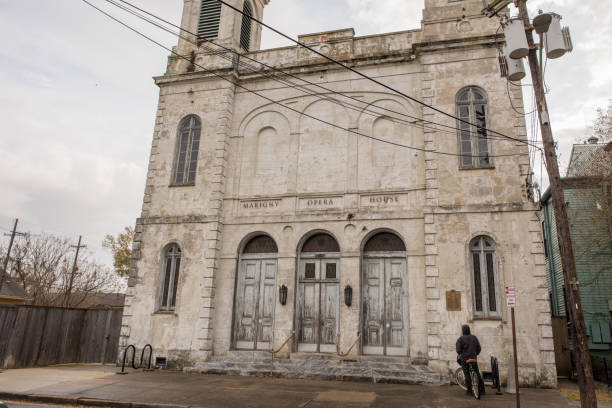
(74, 269)
(8, 254)
(588, 397)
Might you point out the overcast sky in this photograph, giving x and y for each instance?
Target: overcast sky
(77, 100)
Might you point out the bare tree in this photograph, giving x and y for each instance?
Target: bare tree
(602, 128)
(42, 265)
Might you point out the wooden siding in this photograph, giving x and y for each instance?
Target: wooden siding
(592, 244)
(39, 336)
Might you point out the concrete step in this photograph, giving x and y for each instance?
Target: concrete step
(321, 366)
(315, 356)
(386, 359)
(240, 355)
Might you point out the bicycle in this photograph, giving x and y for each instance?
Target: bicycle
(487, 376)
(460, 378)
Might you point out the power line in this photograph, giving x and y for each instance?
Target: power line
(279, 103)
(289, 83)
(364, 75)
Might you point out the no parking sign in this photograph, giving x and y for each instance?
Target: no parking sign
(510, 296)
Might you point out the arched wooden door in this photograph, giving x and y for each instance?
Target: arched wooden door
(318, 292)
(384, 296)
(255, 295)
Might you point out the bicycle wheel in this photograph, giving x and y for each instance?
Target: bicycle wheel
(460, 378)
(475, 384)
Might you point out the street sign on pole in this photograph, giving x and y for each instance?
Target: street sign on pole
(511, 303)
(510, 296)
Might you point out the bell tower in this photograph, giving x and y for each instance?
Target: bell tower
(212, 20)
(455, 19)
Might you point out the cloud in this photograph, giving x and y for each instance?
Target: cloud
(78, 101)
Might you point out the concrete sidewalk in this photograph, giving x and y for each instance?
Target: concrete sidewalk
(101, 386)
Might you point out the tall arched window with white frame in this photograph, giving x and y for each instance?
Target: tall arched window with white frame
(188, 144)
(170, 277)
(473, 112)
(483, 265)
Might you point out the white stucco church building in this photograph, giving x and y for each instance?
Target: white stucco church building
(278, 217)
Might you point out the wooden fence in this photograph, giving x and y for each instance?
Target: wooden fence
(39, 336)
(602, 369)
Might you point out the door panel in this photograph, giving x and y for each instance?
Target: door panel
(310, 313)
(384, 306)
(329, 304)
(395, 304)
(247, 303)
(374, 302)
(266, 304)
(318, 305)
(255, 303)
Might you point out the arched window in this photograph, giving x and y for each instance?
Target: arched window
(187, 150)
(210, 15)
(170, 275)
(261, 244)
(245, 31)
(473, 140)
(321, 243)
(384, 241)
(484, 277)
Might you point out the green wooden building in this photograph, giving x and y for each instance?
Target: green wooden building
(587, 191)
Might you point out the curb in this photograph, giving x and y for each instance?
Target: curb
(84, 401)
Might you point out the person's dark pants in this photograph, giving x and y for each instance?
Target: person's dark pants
(468, 379)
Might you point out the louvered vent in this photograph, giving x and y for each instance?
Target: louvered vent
(210, 14)
(503, 66)
(245, 32)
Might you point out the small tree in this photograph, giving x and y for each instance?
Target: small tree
(602, 127)
(121, 246)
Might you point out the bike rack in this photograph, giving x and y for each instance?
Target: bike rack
(493, 375)
(140, 365)
(125, 352)
(142, 358)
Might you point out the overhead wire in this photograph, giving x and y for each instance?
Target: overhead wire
(364, 75)
(285, 81)
(293, 85)
(237, 84)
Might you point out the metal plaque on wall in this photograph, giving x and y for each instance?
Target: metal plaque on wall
(453, 300)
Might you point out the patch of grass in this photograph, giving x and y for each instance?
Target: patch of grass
(602, 396)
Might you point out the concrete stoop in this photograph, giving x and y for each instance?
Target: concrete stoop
(378, 369)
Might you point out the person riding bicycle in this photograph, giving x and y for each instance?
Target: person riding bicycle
(468, 348)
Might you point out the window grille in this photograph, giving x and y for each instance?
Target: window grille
(321, 243)
(170, 275)
(210, 15)
(245, 32)
(187, 150)
(483, 265)
(472, 107)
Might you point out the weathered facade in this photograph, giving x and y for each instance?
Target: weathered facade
(248, 200)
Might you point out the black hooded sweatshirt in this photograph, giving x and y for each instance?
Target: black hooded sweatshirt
(467, 345)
